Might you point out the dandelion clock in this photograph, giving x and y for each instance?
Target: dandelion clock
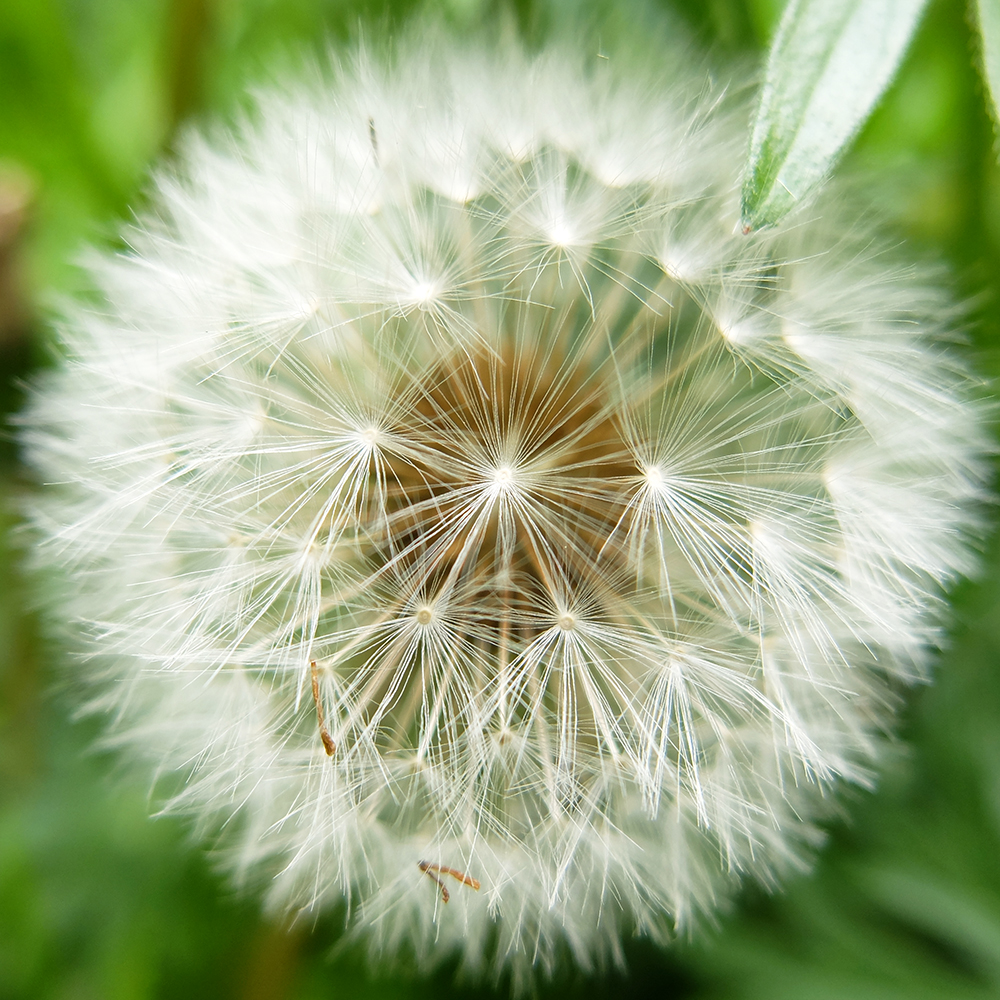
(473, 528)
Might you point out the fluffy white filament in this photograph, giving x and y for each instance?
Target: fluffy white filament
(605, 532)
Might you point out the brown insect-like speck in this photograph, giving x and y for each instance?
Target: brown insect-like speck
(429, 868)
(328, 745)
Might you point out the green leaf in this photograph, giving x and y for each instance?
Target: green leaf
(829, 64)
(989, 29)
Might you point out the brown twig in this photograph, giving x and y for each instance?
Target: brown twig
(429, 868)
(328, 745)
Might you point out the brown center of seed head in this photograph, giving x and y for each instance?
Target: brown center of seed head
(516, 482)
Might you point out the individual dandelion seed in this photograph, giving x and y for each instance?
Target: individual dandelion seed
(445, 476)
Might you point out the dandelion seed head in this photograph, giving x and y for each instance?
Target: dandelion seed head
(445, 488)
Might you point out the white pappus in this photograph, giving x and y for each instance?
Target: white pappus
(468, 523)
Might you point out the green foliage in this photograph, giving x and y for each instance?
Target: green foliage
(97, 901)
(988, 19)
(828, 65)
(827, 68)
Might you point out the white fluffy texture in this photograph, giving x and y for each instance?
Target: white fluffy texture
(611, 530)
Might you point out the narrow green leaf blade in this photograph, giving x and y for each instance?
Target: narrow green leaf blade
(989, 31)
(828, 66)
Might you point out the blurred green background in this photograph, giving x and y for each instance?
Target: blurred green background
(98, 901)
